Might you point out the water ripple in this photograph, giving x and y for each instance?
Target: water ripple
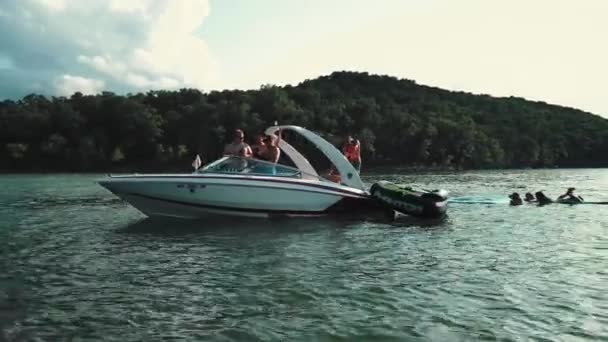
(81, 264)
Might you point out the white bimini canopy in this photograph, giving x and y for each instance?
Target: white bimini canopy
(350, 176)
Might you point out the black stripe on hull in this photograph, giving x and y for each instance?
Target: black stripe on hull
(345, 206)
(314, 191)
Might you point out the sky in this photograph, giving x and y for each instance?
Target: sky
(548, 50)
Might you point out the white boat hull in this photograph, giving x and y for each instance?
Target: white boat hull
(199, 196)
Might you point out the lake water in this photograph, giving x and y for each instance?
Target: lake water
(78, 264)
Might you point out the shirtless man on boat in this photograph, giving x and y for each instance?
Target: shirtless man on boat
(238, 147)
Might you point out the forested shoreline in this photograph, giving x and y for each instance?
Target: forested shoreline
(398, 122)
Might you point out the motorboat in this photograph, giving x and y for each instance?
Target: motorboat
(237, 186)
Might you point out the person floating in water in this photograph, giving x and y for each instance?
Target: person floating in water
(515, 199)
(352, 152)
(529, 198)
(569, 196)
(542, 199)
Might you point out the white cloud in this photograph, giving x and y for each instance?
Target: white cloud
(68, 85)
(143, 82)
(126, 44)
(128, 5)
(137, 80)
(53, 5)
(171, 50)
(104, 65)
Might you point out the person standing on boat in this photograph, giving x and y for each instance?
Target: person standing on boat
(259, 147)
(238, 147)
(270, 153)
(352, 152)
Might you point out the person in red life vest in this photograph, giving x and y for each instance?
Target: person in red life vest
(352, 152)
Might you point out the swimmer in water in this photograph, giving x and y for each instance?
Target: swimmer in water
(569, 196)
(542, 199)
(515, 199)
(529, 198)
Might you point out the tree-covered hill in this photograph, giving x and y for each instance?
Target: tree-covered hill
(397, 121)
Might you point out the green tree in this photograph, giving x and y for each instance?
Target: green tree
(397, 121)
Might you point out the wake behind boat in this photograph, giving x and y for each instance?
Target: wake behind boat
(237, 186)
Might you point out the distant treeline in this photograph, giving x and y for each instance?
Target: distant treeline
(398, 122)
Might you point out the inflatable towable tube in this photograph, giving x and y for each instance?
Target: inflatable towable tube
(403, 199)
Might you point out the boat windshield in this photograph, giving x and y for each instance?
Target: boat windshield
(240, 165)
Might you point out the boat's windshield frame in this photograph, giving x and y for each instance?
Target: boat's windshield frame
(247, 166)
